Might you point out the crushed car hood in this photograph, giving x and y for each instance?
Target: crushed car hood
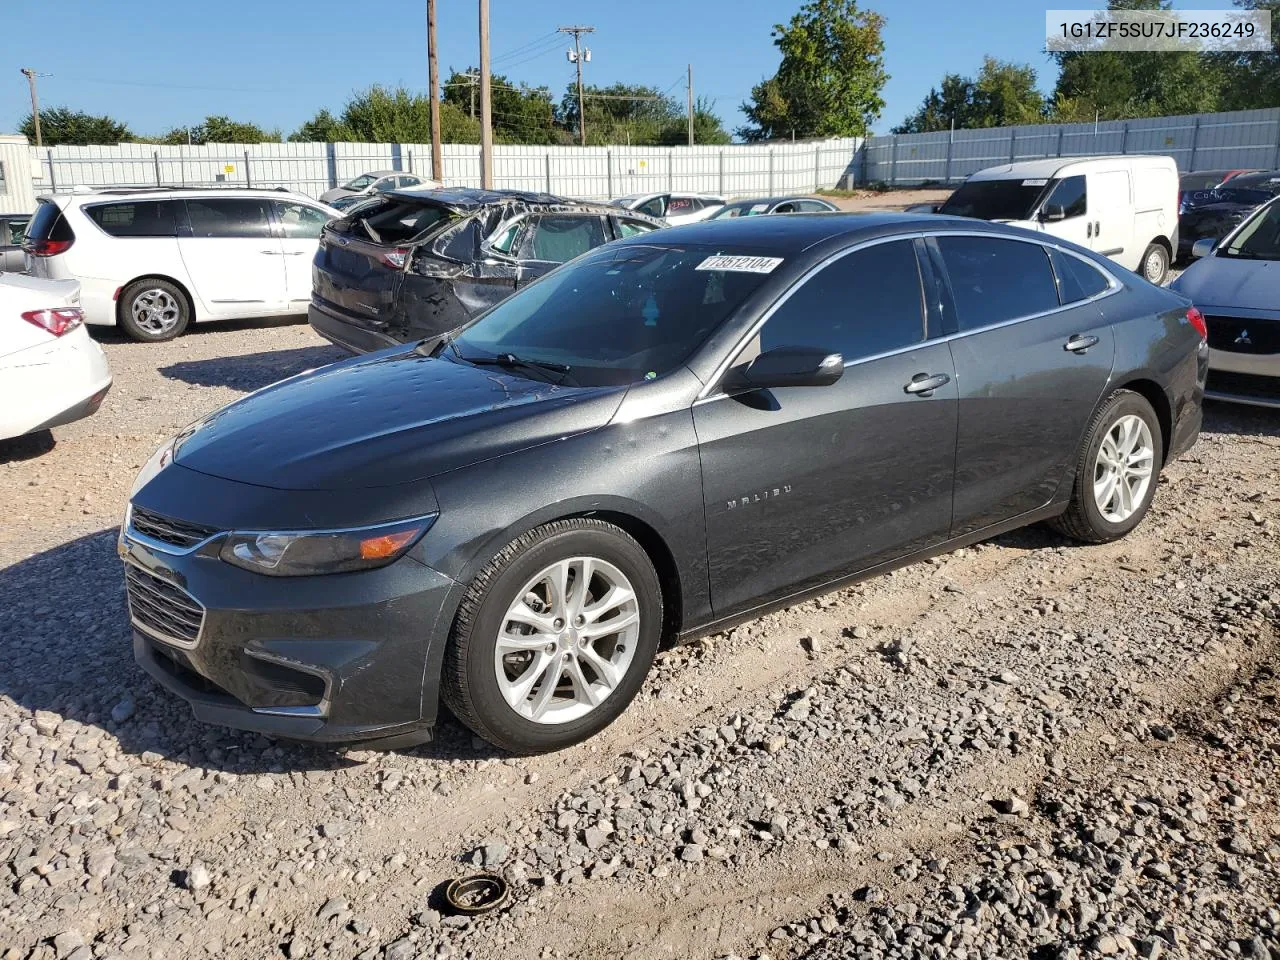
(1229, 283)
(387, 418)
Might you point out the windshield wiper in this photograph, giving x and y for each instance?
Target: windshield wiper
(511, 362)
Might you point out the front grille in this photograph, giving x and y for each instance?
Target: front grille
(162, 609)
(1238, 335)
(177, 533)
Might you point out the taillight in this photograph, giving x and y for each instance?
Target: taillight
(1196, 319)
(57, 320)
(395, 258)
(47, 248)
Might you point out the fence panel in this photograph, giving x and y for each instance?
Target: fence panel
(1246, 138)
(588, 173)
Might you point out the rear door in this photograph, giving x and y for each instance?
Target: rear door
(300, 226)
(551, 239)
(235, 263)
(1031, 365)
(803, 485)
(1111, 213)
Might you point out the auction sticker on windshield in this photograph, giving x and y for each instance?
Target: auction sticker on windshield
(740, 264)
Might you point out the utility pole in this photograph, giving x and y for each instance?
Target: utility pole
(576, 55)
(691, 104)
(473, 78)
(486, 102)
(35, 101)
(433, 78)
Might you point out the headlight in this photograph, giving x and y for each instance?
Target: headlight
(308, 552)
(159, 460)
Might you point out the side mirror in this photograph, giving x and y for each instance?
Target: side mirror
(1053, 211)
(789, 367)
(1203, 247)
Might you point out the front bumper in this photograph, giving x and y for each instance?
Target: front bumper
(332, 659)
(1250, 378)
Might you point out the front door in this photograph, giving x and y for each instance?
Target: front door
(802, 485)
(1070, 196)
(235, 263)
(1031, 364)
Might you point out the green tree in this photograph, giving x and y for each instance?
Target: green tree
(1117, 85)
(382, 115)
(829, 81)
(62, 125)
(521, 113)
(221, 129)
(1004, 94)
(324, 127)
(1252, 80)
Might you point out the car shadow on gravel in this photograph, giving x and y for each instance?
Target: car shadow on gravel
(65, 651)
(251, 371)
(27, 447)
(1241, 419)
(105, 334)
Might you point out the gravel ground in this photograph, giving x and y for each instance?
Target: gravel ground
(1026, 748)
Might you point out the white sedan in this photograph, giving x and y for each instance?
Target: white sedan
(675, 208)
(51, 373)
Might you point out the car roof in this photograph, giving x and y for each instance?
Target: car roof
(774, 200)
(169, 193)
(471, 199)
(789, 236)
(383, 173)
(1052, 166)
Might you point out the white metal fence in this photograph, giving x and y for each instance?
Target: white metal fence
(591, 172)
(1207, 141)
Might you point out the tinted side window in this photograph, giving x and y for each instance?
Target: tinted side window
(657, 207)
(1071, 195)
(228, 217)
(13, 232)
(300, 221)
(1077, 280)
(866, 303)
(144, 218)
(994, 280)
(560, 239)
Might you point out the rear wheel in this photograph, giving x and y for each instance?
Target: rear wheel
(554, 637)
(1155, 263)
(1117, 471)
(154, 310)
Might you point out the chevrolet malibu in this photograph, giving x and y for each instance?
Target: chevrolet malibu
(668, 435)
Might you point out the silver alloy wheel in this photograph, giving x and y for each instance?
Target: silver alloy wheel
(1153, 267)
(1122, 472)
(567, 640)
(155, 311)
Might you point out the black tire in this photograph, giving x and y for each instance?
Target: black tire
(176, 301)
(469, 683)
(1155, 263)
(1083, 519)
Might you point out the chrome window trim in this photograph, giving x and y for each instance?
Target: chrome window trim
(156, 634)
(1113, 286)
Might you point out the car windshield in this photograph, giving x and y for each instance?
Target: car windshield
(1201, 198)
(360, 182)
(1258, 237)
(996, 199)
(616, 316)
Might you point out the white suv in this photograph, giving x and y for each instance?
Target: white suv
(154, 260)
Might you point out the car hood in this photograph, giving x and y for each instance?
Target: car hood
(1231, 283)
(387, 418)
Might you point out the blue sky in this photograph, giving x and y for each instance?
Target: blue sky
(159, 65)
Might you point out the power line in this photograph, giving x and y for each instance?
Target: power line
(553, 35)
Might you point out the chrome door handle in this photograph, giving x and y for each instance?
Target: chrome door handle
(923, 384)
(296, 253)
(1088, 230)
(1080, 343)
(271, 253)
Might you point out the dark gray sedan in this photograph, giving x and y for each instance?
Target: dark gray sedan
(668, 435)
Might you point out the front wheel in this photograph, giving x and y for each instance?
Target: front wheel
(554, 637)
(1155, 263)
(1117, 471)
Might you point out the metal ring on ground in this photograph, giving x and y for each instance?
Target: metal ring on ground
(476, 894)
